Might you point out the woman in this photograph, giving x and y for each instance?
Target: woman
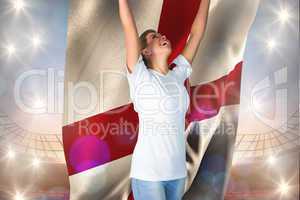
(158, 168)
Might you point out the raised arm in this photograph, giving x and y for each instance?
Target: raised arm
(132, 42)
(197, 31)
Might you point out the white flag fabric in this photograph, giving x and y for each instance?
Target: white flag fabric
(100, 125)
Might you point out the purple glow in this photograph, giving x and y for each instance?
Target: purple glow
(88, 152)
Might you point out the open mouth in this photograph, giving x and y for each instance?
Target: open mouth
(165, 43)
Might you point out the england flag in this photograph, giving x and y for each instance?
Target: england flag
(100, 124)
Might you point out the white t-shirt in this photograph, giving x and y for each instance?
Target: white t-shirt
(161, 102)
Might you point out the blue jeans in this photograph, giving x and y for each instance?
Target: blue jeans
(158, 190)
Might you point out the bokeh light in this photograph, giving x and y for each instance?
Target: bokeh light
(36, 41)
(271, 160)
(283, 188)
(271, 44)
(10, 49)
(11, 154)
(283, 15)
(19, 196)
(18, 5)
(36, 162)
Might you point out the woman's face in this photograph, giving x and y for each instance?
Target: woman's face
(158, 44)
